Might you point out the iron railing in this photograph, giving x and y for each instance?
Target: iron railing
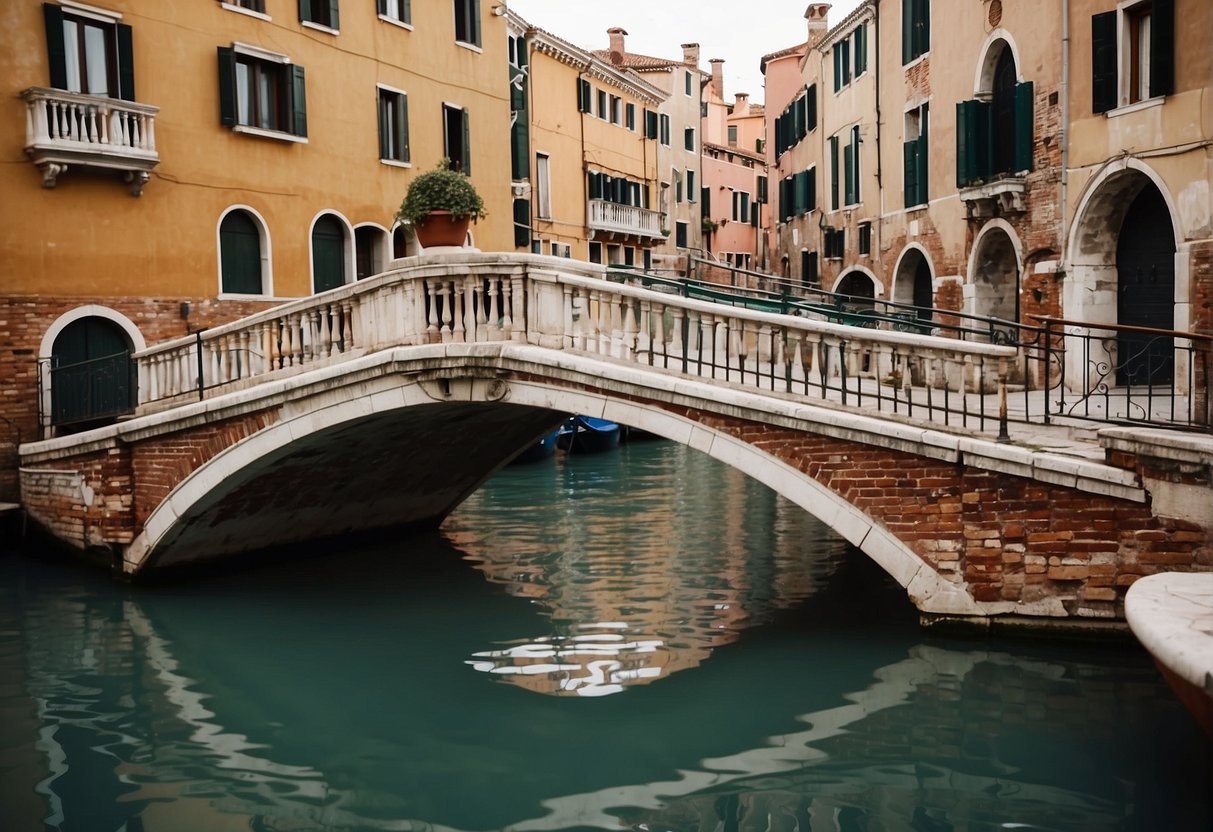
(92, 390)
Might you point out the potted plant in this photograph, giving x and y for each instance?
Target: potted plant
(439, 205)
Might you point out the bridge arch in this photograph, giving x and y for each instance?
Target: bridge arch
(218, 502)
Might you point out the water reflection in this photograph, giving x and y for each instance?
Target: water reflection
(654, 557)
(335, 694)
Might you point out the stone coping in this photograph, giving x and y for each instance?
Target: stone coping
(1171, 614)
(1195, 448)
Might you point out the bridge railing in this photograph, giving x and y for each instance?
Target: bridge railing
(569, 305)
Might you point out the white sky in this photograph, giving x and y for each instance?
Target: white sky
(739, 32)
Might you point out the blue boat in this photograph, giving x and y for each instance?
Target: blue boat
(541, 449)
(587, 435)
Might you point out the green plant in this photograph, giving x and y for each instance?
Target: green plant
(441, 189)
(710, 225)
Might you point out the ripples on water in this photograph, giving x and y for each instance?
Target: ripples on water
(764, 677)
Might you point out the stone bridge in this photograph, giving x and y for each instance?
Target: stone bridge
(385, 403)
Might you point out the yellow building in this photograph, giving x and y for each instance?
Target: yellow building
(187, 162)
(591, 170)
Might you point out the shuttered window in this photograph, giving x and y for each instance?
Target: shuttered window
(467, 22)
(260, 93)
(320, 12)
(457, 138)
(89, 56)
(522, 223)
(915, 29)
(393, 125)
(399, 10)
(833, 173)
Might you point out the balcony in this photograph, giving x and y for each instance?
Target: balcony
(66, 128)
(998, 198)
(624, 220)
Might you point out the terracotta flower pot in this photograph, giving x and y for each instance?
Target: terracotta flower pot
(439, 228)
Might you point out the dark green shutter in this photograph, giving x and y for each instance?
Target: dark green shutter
(403, 127)
(1023, 126)
(584, 97)
(239, 254)
(846, 61)
(861, 49)
(298, 102)
(467, 143)
(520, 145)
(811, 200)
(811, 101)
(126, 63)
(385, 147)
(705, 201)
(924, 26)
(408, 11)
(910, 170)
(907, 31)
(848, 165)
(855, 189)
(227, 86)
(1162, 48)
(305, 9)
(974, 147)
(474, 22)
(922, 166)
(837, 67)
(762, 189)
(1103, 62)
(334, 15)
(381, 7)
(650, 124)
(833, 173)
(517, 91)
(522, 223)
(54, 44)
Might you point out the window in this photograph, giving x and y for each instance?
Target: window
(850, 156)
(995, 138)
(690, 185)
(467, 22)
(797, 121)
(732, 135)
(616, 113)
(677, 177)
(320, 13)
(602, 105)
(650, 124)
(850, 57)
(393, 125)
(761, 196)
(522, 225)
(687, 83)
(543, 185)
(835, 243)
(741, 207)
(89, 54)
(1132, 54)
(808, 268)
(595, 252)
(629, 256)
(240, 254)
(914, 152)
(833, 176)
(368, 251)
(457, 142)
(400, 11)
(680, 234)
(865, 238)
(688, 138)
(252, 5)
(915, 29)
(842, 64)
(630, 117)
(261, 90)
(585, 96)
(665, 129)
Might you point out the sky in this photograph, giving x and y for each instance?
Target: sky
(660, 27)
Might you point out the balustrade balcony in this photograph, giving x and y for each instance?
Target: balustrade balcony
(66, 128)
(615, 218)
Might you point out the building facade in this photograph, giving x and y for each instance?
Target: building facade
(187, 166)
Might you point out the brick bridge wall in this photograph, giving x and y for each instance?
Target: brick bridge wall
(1004, 538)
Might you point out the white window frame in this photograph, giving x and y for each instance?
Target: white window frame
(385, 88)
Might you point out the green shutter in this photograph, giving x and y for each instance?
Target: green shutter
(855, 191)
(54, 45)
(650, 124)
(924, 26)
(381, 7)
(227, 86)
(1103, 62)
(334, 15)
(584, 97)
(517, 91)
(833, 173)
(298, 102)
(848, 174)
(837, 67)
(762, 189)
(811, 199)
(305, 9)
(910, 171)
(846, 60)
(522, 223)
(924, 195)
(974, 147)
(811, 107)
(1023, 126)
(474, 22)
(861, 49)
(126, 63)
(385, 147)
(403, 127)
(1162, 48)
(705, 201)
(520, 147)
(907, 31)
(467, 143)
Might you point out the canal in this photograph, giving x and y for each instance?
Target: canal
(639, 640)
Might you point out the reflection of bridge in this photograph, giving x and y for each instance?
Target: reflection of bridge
(387, 402)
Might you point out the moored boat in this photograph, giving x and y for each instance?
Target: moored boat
(540, 449)
(587, 435)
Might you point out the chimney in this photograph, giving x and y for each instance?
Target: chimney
(717, 84)
(617, 35)
(816, 15)
(690, 54)
(741, 104)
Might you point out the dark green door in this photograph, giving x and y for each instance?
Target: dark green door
(1145, 270)
(240, 254)
(91, 373)
(328, 253)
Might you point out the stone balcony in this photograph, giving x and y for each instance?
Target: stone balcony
(998, 198)
(63, 129)
(613, 218)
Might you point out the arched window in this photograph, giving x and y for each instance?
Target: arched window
(240, 254)
(858, 286)
(1002, 104)
(328, 253)
(92, 375)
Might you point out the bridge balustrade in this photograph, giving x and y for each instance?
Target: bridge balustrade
(567, 305)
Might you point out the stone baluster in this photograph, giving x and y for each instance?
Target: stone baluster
(644, 338)
(433, 332)
(493, 312)
(242, 354)
(516, 322)
(677, 347)
(458, 311)
(467, 299)
(603, 330)
(478, 313)
(328, 326)
(447, 303)
(630, 329)
(738, 335)
(659, 341)
(569, 341)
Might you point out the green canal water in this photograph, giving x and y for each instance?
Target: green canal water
(641, 640)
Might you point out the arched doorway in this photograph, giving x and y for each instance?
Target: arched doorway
(994, 276)
(240, 254)
(858, 287)
(1002, 112)
(913, 284)
(328, 253)
(92, 376)
(1145, 296)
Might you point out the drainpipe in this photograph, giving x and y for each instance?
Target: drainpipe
(1065, 123)
(879, 155)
